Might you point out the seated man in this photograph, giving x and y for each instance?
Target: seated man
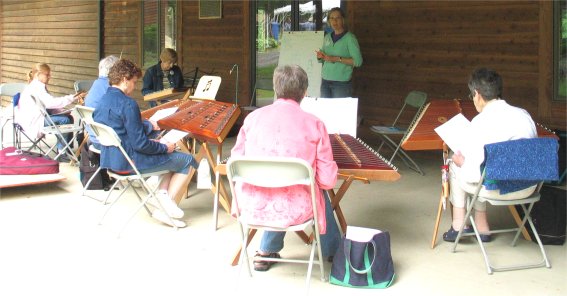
(284, 129)
(497, 121)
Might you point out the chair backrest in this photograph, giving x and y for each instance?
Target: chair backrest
(86, 113)
(83, 85)
(415, 99)
(11, 89)
(270, 172)
(516, 164)
(207, 88)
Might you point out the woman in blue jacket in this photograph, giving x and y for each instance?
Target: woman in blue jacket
(120, 112)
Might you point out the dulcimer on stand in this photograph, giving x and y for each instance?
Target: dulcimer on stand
(206, 120)
(165, 94)
(422, 135)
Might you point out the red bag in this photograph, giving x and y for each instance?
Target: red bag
(14, 162)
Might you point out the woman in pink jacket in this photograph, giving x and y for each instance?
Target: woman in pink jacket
(284, 129)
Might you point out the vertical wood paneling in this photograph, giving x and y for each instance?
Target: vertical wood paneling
(434, 45)
(62, 34)
(215, 45)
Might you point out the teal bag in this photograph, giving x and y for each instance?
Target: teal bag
(364, 264)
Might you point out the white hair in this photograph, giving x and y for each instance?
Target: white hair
(105, 64)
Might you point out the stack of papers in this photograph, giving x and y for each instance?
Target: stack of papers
(456, 132)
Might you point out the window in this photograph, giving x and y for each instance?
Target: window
(560, 51)
(159, 29)
(273, 18)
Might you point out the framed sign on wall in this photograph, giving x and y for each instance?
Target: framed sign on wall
(210, 9)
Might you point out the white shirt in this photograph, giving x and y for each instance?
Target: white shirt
(497, 122)
(27, 113)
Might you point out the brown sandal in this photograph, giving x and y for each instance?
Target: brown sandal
(260, 265)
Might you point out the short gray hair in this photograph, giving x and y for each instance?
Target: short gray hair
(105, 64)
(290, 82)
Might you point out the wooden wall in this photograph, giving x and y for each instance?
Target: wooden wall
(63, 34)
(434, 45)
(215, 45)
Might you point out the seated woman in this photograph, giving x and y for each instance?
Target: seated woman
(284, 129)
(30, 118)
(119, 111)
(164, 74)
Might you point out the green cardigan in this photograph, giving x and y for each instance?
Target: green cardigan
(346, 47)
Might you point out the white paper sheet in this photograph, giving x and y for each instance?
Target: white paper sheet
(456, 132)
(338, 114)
(163, 113)
(173, 136)
(360, 234)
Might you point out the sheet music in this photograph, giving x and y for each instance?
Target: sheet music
(360, 234)
(160, 114)
(173, 136)
(338, 114)
(456, 132)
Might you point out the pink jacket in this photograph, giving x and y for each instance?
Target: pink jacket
(284, 129)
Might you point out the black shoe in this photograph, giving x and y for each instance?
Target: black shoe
(451, 234)
(63, 158)
(260, 265)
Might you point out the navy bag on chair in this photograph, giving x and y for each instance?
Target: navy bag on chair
(364, 264)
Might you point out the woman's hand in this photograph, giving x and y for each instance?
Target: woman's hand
(80, 97)
(170, 146)
(154, 125)
(458, 158)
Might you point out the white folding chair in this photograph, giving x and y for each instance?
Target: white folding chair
(7, 115)
(108, 137)
(86, 116)
(416, 100)
(509, 166)
(59, 131)
(275, 172)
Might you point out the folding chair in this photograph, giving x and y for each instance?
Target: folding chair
(510, 166)
(86, 115)
(9, 90)
(58, 131)
(108, 137)
(416, 100)
(275, 172)
(83, 85)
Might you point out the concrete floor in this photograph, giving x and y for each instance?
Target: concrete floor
(51, 244)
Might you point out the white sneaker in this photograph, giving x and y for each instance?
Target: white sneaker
(169, 205)
(204, 175)
(163, 218)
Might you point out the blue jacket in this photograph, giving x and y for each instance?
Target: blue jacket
(122, 113)
(153, 79)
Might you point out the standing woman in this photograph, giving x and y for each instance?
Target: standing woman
(119, 111)
(30, 118)
(339, 55)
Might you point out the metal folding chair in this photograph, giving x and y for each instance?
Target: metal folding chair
(108, 137)
(59, 132)
(510, 166)
(416, 100)
(9, 90)
(275, 172)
